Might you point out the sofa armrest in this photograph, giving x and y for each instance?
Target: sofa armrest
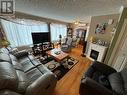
(43, 85)
(89, 72)
(14, 50)
(90, 86)
(20, 54)
(103, 68)
(8, 92)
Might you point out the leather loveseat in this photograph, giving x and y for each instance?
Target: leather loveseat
(22, 74)
(101, 79)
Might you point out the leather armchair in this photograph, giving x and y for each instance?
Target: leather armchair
(66, 47)
(101, 79)
(22, 74)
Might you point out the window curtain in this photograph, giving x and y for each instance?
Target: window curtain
(56, 30)
(2, 36)
(19, 34)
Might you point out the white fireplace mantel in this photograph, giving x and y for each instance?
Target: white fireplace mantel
(99, 48)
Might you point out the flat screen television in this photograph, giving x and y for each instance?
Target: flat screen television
(40, 37)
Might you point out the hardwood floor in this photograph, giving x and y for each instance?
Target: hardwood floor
(69, 84)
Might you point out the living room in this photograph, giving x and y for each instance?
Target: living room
(60, 47)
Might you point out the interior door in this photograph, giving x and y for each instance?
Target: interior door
(121, 56)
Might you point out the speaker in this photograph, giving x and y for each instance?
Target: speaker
(84, 43)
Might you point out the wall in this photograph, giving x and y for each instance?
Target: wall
(102, 19)
(113, 48)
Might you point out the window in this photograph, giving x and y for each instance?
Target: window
(56, 30)
(20, 34)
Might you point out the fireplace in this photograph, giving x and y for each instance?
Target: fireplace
(94, 54)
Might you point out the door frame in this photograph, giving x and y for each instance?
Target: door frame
(119, 42)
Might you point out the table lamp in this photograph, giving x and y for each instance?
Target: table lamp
(60, 36)
(4, 43)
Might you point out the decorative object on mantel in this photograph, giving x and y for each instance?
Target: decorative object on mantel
(92, 39)
(103, 43)
(100, 28)
(97, 41)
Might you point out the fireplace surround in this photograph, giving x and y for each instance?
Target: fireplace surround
(96, 52)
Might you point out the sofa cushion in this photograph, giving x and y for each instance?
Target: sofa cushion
(31, 57)
(27, 65)
(17, 65)
(5, 57)
(35, 62)
(43, 69)
(13, 58)
(22, 81)
(33, 75)
(101, 79)
(96, 76)
(23, 59)
(8, 76)
(117, 83)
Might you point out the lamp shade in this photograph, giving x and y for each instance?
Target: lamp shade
(4, 43)
(60, 36)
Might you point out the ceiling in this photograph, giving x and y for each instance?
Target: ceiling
(69, 10)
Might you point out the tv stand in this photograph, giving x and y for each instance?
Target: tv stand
(41, 48)
(47, 46)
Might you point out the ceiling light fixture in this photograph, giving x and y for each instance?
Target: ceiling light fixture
(76, 22)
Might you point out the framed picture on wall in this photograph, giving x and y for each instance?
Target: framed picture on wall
(100, 28)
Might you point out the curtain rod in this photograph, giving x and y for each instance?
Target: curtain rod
(21, 20)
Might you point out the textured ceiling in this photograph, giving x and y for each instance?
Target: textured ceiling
(69, 10)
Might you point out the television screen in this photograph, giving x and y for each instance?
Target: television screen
(40, 37)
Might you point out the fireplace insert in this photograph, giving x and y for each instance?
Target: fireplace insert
(94, 54)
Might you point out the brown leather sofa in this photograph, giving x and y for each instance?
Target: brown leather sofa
(22, 74)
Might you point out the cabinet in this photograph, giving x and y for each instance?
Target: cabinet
(40, 49)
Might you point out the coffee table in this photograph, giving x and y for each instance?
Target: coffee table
(57, 54)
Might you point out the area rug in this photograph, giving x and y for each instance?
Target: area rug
(60, 69)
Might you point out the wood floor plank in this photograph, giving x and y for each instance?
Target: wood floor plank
(69, 84)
